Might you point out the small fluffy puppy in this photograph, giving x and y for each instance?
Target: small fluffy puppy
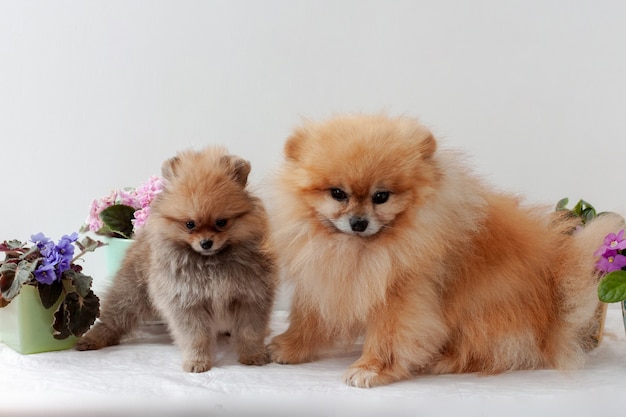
(201, 262)
(381, 233)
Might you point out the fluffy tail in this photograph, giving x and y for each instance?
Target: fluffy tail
(582, 313)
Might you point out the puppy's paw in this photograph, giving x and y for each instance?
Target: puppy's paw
(257, 359)
(88, 343)
(98, 337)
(196, 366)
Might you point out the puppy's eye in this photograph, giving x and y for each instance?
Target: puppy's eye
(338, 194)
(380, 197)
(190, 225)
(221, 223)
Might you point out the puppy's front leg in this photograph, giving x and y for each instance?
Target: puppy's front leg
(402, 335)
(126, 303)
(194, 334)
(250, 326)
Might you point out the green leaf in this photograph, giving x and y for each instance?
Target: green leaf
(588, 214)
(61, 323)
(118, 219)
(81, 312)
(578, 208)
(12, 277)
(7, 276)
(612, 288)
(562, 204)
(587, 205)
(89, 245)
(14, 244)
(80, 281)
(50, 294)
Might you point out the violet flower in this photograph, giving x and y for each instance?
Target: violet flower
(65, 246)
(612, 242)
(45, 274)
(611, 261)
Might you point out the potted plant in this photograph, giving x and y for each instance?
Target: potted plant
(46, 300)
(119, 215)
(612, 264)
(612, 258)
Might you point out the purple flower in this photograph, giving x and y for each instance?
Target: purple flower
(615, 241)
(44, 244)
(65, 247)
(39, 239)
(612, 242)
(45, 274)
(611, 261)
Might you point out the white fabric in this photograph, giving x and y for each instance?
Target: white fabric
(143, 376)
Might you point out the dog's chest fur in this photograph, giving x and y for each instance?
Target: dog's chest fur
(188, 280)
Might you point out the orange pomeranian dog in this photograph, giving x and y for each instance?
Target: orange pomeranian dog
(381, 233)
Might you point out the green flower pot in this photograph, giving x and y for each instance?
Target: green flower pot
(114, 253)
(26, 326)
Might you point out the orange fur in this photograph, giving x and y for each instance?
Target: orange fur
(447, 275)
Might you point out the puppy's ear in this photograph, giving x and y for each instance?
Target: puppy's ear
(168, 170)
(428, 146)
(293, 146)
(238, 167)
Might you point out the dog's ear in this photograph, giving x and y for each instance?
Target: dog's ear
(168, 170)
(238, 167)
(293, 146)
(428, 146)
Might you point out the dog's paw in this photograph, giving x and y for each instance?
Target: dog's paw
(87, 343)
(255, 359)
(361, 378)
(196, 366)
(276, 353)
(281, 353)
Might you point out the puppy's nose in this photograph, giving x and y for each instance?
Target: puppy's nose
(206, 244)
(358, 224)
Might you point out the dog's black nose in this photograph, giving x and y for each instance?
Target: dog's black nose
(358, 224)
(206, 244)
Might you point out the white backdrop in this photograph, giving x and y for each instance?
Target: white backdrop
(94, 95)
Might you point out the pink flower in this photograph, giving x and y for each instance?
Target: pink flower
(148, 191)
(93, 221)
(611, 261)
(127, 198)
(612, 242)
(141, 216)
(139, 198)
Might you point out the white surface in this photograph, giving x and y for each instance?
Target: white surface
(143, 376)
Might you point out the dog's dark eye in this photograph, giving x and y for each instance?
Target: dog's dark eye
(221, 222)
(380, 197)
(190, 225)
(338, 194)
